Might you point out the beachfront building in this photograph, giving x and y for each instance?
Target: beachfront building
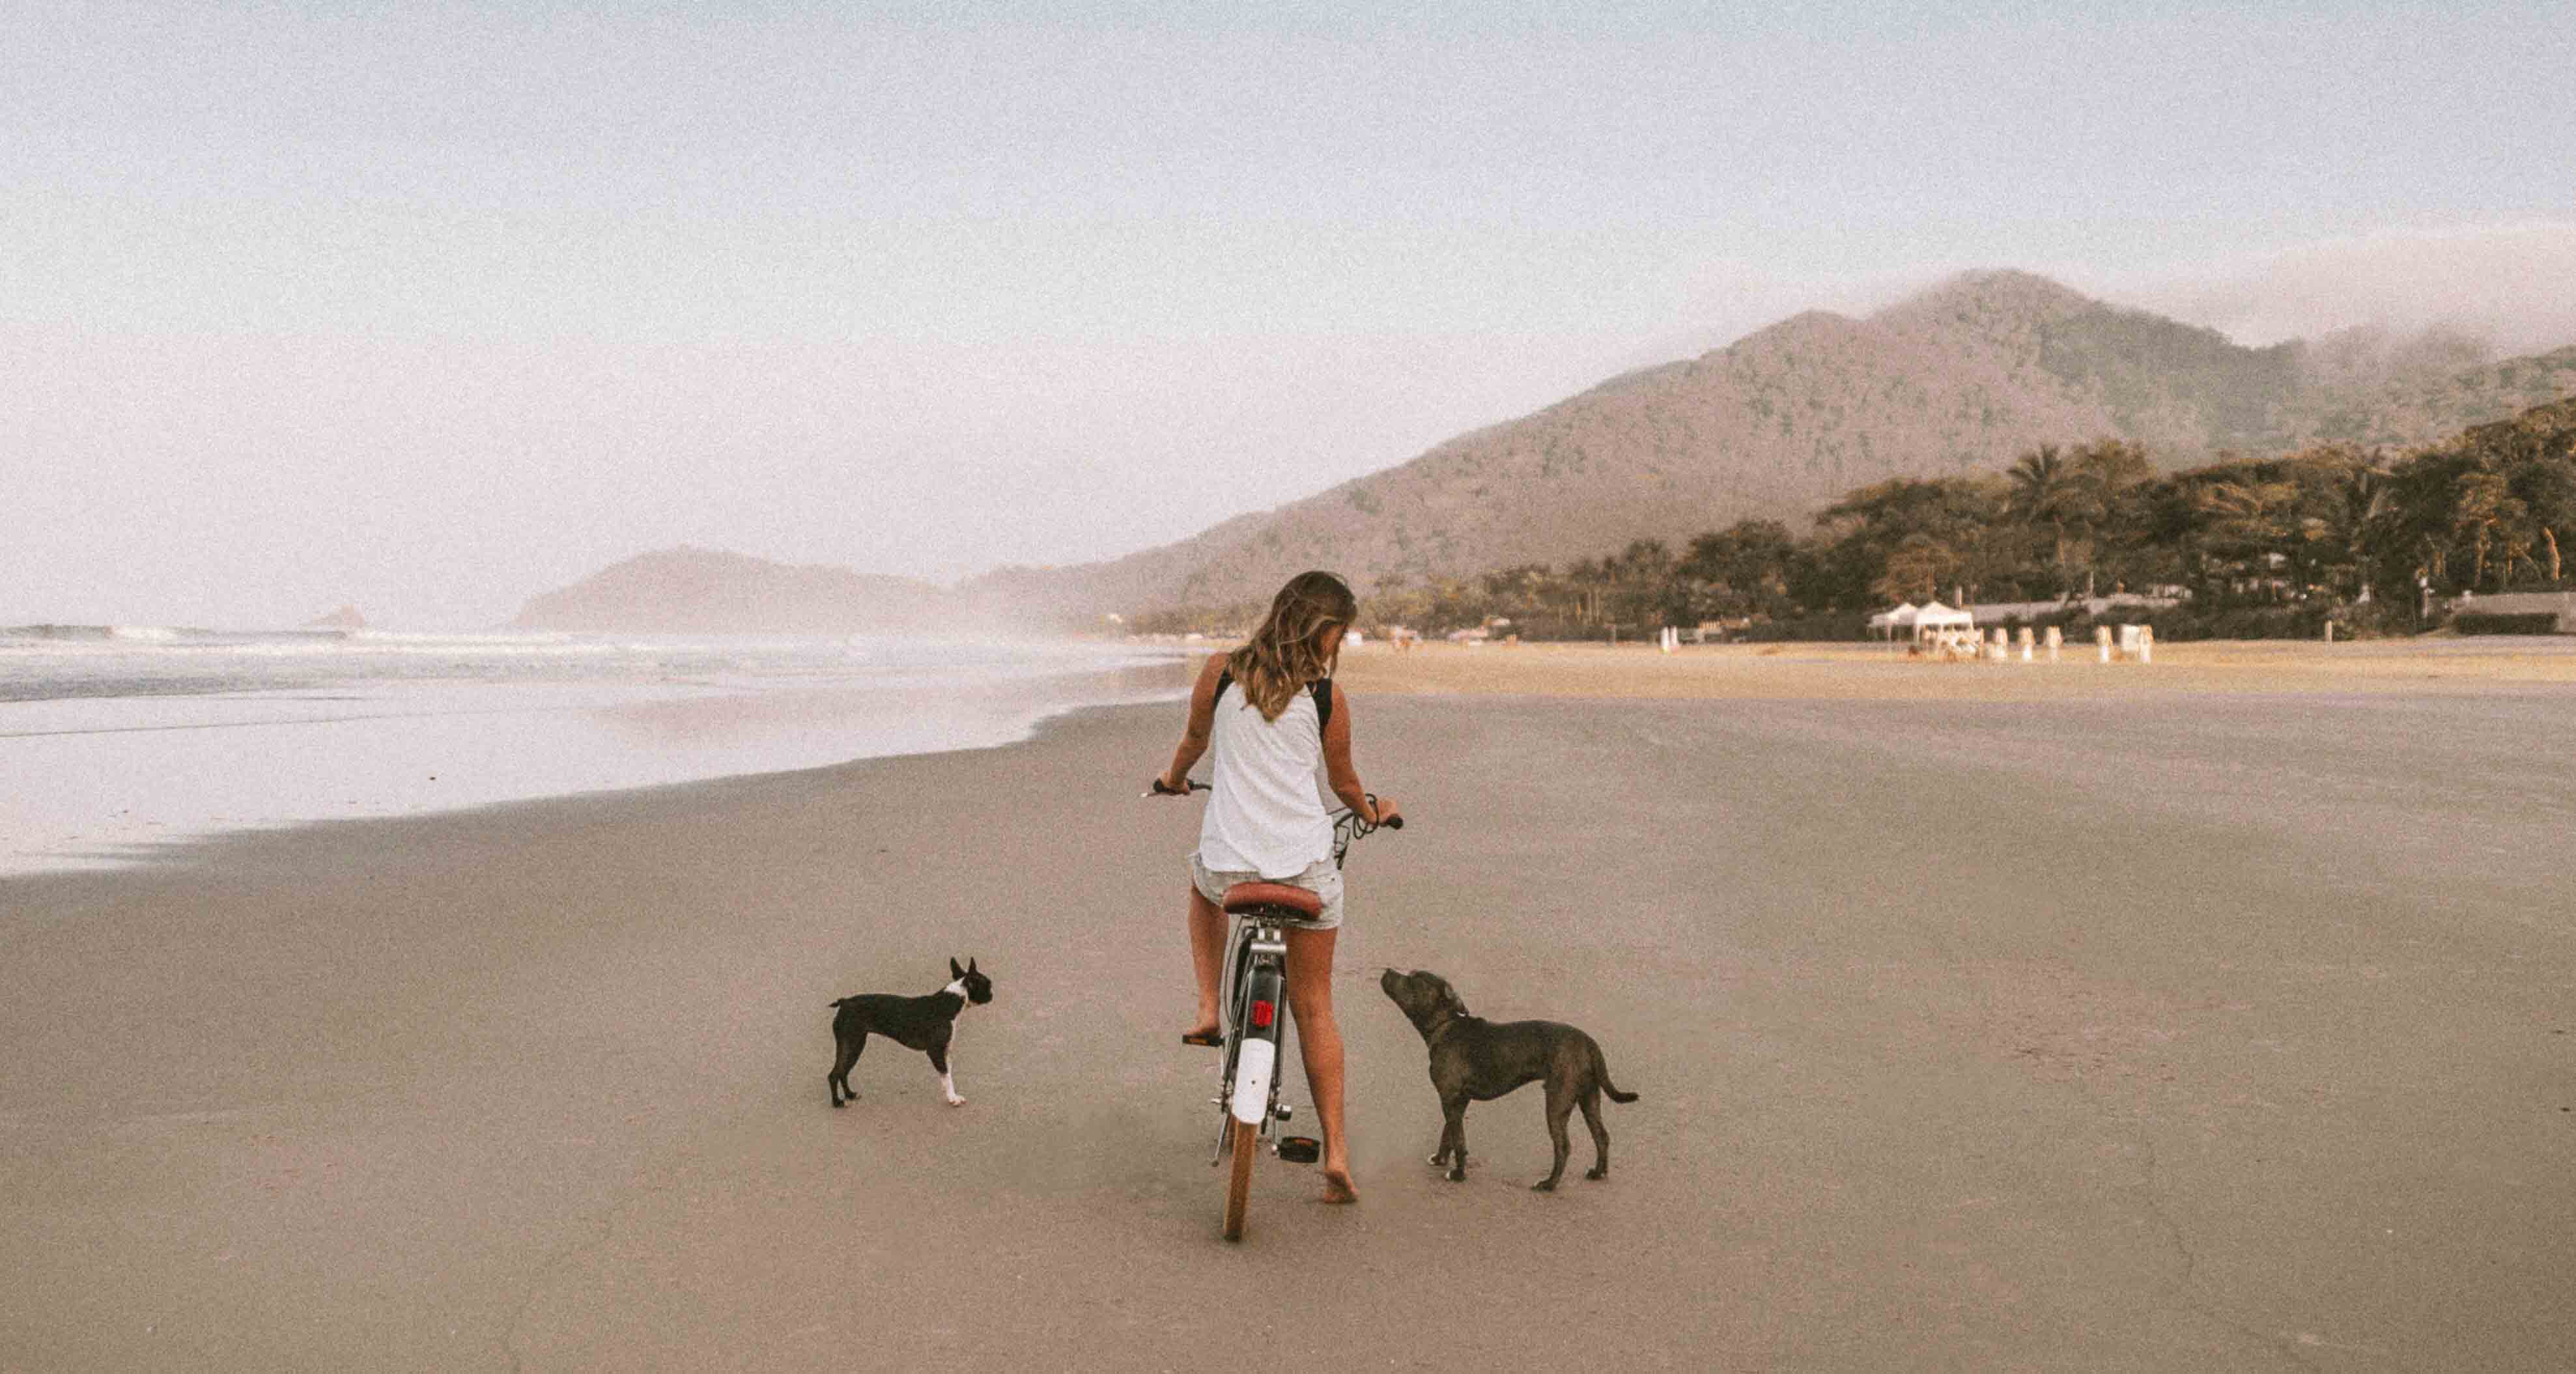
(2531, 607)
(2091, 607)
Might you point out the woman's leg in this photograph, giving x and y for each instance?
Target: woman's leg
(1310, 998)
(1207, 955)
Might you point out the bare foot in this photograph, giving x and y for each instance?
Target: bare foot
(1338, 1187)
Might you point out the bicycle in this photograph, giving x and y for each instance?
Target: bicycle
(1248, 1100)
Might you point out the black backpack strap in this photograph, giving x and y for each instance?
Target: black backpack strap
(1322, 689)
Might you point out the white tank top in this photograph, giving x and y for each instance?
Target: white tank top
(1267, 813)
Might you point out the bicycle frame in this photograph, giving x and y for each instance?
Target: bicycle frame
(1255, 997)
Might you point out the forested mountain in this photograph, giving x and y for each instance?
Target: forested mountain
(2247, 547)
(1784, 421)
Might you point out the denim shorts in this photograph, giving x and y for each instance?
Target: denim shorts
(1323, 878)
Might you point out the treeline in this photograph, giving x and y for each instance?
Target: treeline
(2245, 547)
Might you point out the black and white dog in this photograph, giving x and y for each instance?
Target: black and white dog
(916, 1023)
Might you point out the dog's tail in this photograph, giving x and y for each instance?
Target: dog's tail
(1601, 1070)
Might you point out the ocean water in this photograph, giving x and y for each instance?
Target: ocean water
(115, 741)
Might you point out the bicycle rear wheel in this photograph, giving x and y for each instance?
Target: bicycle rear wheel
(1238, 1184)
(1252, 1084)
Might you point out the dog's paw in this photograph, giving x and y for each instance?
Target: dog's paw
(1439, 1161)
(1545, 1185)
(957, 1102)
(1596, 1174)
(1458, 1174)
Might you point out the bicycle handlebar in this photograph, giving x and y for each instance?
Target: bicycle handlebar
(1156, 788)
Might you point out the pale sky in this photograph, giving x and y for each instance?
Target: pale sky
(431, 308)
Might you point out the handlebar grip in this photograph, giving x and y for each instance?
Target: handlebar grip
(1395, 822)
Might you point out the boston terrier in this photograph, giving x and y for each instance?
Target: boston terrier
(917, 1023)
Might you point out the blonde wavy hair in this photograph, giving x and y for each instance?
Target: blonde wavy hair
(1282, 657)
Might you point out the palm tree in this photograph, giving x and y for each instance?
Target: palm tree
(2359, 502)
(1586, 575)
(2246, 520)
(2044, 490)
(2480, 516)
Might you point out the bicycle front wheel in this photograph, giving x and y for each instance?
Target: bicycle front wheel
(1238, 1183)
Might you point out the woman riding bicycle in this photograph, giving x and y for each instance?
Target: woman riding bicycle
(1271, 712)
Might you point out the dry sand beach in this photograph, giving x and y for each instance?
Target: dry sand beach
(2209, 1015)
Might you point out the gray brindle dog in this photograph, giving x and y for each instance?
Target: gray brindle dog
(1475, 1060)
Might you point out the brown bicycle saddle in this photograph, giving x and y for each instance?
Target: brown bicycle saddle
(1243, 897)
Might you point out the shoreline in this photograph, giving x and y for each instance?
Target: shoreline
(127, 777)
(1821, 671)
(2181, 1004)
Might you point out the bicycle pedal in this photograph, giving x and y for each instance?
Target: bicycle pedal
(1300, 1149)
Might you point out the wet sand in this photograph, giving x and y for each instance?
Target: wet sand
(2161, 1025)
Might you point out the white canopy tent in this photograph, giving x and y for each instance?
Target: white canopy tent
(1932, 615)
(1930, 625)
(1887, 623)
(1940, 628)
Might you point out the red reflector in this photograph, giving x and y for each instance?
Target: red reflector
(1261, 1014)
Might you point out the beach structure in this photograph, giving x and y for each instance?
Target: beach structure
(2091, 607)
(2562, 605)
(1887, 623)
(1945, 629)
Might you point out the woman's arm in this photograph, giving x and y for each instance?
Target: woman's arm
(1344, 778)
(1194, 735)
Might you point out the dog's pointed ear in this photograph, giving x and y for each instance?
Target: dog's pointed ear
(970, 963)
(953, 970)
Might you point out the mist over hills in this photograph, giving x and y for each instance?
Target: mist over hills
(704, 591)
(1962, 378)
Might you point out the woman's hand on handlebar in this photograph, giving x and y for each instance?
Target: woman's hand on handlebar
(1388, 814)
(1160, 788)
